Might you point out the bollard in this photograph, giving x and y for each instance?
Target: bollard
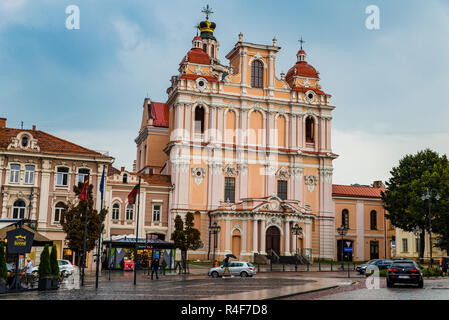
(307, 267)
(331, 265)
(349, 276)
(319, 265)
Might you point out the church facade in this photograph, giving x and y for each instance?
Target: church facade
(245, 149)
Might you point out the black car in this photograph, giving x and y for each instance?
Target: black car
(370, 265)
(405, 271)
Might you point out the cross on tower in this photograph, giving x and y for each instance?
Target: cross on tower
(301, 41)
(207, 11)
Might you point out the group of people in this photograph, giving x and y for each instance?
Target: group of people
(28, 269)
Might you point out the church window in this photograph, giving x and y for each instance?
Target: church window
(310, 130)
(229, 189)
(282, 189)
(256, 74)
(212, 51)
(205, 47)
(345, 218)
(199, 120)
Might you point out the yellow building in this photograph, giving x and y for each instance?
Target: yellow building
(407, 246)
(245, 148)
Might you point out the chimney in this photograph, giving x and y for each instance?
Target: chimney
(122, 169)
(378, 184)
(34, 127)
(2, 123)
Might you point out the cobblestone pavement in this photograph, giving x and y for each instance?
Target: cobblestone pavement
(195, 287)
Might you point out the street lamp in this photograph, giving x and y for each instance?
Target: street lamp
(342, 230)
(215, 229)
(296, 230)
(428, 197)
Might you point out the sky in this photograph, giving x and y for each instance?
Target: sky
(390, 86)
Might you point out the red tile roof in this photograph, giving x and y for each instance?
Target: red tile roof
(160, 114)
(303, 69)
(46, 142)
(112, 170)
(159, 179)
(196, 55)
(356, 191)
(196, 76)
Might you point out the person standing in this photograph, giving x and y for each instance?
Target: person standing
(163, 266)
(29, 273)
(444, 265)
(154, 268)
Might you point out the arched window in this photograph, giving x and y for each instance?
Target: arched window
(125, 178)
(18, 209)
(205, 47)
(212, 51)
(115, 211)
(373, 220)
(129, 212)
(310, 130)
(25, 141)
(199, 120)
(345, 218)
(256, 74)
(59, 210)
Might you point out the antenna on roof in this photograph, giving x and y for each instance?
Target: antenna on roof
(21, 125)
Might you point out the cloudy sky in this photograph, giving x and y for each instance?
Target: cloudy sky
(390, 86)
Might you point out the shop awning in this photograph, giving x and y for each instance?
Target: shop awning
(130, 242)
(39, 239)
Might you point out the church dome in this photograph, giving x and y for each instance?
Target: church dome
(301, 68)
(196, 54)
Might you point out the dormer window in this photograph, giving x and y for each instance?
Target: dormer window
(24, 142)
(125, 178)
(257, 74)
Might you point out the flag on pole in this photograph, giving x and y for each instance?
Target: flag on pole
(83, 195)
(133, 194)
(102, 185)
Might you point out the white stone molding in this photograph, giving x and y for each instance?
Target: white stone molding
(283, 173)
(311, 181)
(326, 174)
(230, 170)
(198, 173)
(258, 57)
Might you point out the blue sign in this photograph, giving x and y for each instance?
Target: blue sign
(347, 249)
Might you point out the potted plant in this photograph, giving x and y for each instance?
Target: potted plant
(3, 269)
(54, 267)
(45, 270)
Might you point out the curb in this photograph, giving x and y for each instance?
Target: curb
(305, 292)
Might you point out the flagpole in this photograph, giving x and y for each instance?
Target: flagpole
(137, 234)
(85, 233)
(99, 231)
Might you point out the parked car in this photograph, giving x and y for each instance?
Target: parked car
(65, 266)
(237, 268)
(405, 271)
(381, 264)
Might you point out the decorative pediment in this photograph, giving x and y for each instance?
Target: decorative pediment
(24, 141)
(230, 171)
(283, 174)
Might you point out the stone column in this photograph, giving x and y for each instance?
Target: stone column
(228, 236)
(308, 235)
(244, 234)
(44, 192)
(255, 236)
(262, 236)
(287, 238)
(4, 203)
(187, 122)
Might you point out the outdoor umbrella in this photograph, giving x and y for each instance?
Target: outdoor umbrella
(230, 255)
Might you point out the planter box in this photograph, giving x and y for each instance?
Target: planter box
(55, 284)
(2, 288)
(45, 284)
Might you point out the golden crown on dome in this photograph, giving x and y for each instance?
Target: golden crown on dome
(206, 27)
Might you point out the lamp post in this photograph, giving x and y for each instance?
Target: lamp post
(342, 230)
(215, 229)
(428, 197)
(296, 230)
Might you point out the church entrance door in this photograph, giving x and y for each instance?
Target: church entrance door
(273, 240)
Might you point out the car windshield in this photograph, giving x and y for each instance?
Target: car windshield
(371, 261)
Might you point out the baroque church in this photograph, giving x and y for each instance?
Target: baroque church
(246, 149)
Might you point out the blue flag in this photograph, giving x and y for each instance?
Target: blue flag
(102, 185)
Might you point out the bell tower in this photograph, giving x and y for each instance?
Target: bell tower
(210, 44)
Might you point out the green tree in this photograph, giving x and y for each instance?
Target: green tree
(54, 267)
(44, 265)
(73, 220)
(408, 182)
(3, 269)
(185, 236)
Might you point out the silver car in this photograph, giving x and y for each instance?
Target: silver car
(237, 268)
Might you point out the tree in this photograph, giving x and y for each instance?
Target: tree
(54, 267)
(187, 238)
(73, 220)
(3, 268)
(408, 182)
(44, 265)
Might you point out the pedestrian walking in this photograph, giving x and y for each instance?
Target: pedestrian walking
(29, 273)
(444, 265)
(226, 267)
(163, 266)
(154, 268)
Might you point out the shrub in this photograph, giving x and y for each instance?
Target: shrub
(3, 269)
(382, 273)
(44, 266)
(54, 267)
(432, 272)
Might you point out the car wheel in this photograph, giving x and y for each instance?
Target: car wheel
(421, 283)
(214, 274)
(244, 274)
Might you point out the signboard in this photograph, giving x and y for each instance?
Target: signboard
(393, 244)
(347, 249)
(19, 241)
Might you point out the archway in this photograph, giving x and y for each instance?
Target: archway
(236, 243)
(273, 240)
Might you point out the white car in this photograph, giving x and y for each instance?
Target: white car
(237, 268)
(65, 266)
